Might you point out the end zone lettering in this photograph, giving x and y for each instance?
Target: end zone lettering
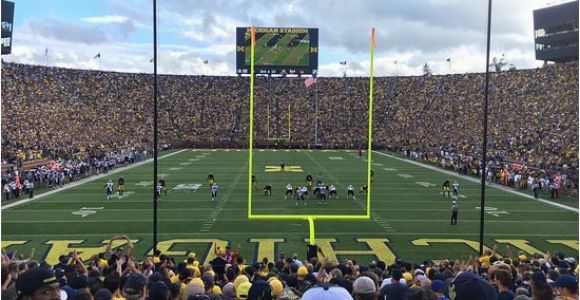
(378, 247)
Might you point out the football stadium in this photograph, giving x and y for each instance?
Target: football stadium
(284, 180)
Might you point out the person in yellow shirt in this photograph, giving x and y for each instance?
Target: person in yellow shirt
(193, 265)
(484, 260)
(101, 261)
(156, 255)
(240, 264)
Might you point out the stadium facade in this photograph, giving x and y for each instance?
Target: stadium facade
(556, 32)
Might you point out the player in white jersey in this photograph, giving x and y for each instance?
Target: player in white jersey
(302, 194)
(455, 186)
(289, 190)
(213, 189)
(332, 192)
(322, 194)
(109, 187)
(350, 192)
(159, 189)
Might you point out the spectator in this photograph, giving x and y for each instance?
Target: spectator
(38, 284)
(134, 288)
(437, 288)
(566, 287)
(364, 288)
(395, 289)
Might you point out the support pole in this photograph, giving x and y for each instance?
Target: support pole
(484, 154)
(155, 194)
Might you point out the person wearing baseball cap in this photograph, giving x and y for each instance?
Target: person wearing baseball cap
(567, 287)
(437, 288)
(38, 284)
(364, 288)
(471, 286)
(243, 290)
(326, 292)
(134, 287)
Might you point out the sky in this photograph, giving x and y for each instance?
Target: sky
(410, 33)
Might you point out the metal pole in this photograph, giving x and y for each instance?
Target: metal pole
(484, 154)
(155, 194)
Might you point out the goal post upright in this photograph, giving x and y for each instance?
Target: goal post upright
(251, 137)
(370, 125)
(309, 218)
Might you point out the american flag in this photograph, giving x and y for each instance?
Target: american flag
(310, 81)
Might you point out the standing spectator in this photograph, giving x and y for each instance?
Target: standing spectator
(395, 289)
(501, 279)
(38, 284)
(437, 287)
(566, 288)
(364, 288)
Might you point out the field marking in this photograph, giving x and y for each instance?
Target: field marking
(373, 215)
(125, 195)
(185, 163)
(173, 220)
(493, 185)
(87, 180)
(86, 211)
(220, 206)
(43, 210)
(406, 176)
(270, 234)
(175, 168)
(188, 187)
(335, 158)
(497, 202)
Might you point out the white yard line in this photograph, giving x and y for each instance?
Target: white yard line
(43, 210)
(377, 234)
(241, 220)
(220, 206)
(495, 186)
(86, 180)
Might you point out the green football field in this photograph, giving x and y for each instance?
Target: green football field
(282, 54)
(409, 216)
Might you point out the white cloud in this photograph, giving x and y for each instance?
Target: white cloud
(413, 33)
(109, 19)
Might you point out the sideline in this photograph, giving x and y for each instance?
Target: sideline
(83, 181)
(472, 179)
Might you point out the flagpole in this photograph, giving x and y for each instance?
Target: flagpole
(155, 194)
(316, 115)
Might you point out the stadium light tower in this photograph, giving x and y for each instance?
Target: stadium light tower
(206, 68)
(344, 67)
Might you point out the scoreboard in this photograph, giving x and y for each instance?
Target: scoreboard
(278, 50)
(7, 23)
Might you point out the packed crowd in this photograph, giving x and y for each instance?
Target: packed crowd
(533, 115)
(118, 275)
(19, 183)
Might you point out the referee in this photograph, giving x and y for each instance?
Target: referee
(454, 211)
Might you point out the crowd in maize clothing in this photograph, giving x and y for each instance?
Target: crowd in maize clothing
(116, 274)
(532, 115)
